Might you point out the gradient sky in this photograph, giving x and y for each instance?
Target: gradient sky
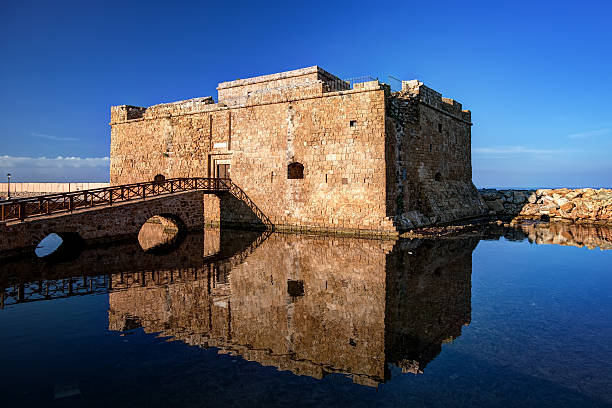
(536, 75)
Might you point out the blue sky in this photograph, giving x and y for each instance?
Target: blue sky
(537, 75)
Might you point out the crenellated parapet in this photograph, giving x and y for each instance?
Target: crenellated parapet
(125, 113)
(435, 100)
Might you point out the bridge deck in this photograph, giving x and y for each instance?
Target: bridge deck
(22, 208)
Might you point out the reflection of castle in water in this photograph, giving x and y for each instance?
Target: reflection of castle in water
(311, 305)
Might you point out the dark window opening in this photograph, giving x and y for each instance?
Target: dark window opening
(295, 288)
(440, 127)
(344, 180)
(353, 123)
(159, 178)
(223, 171)
(438, 177)
(295, 171)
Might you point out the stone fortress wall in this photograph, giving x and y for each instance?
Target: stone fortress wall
(365, 166)
(429, 173)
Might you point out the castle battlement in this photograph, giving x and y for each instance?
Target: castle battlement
(435, 99)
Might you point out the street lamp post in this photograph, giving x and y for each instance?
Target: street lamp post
(9, 185)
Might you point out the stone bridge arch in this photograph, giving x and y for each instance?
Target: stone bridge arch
(162, 233)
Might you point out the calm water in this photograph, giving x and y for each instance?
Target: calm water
(242, 319)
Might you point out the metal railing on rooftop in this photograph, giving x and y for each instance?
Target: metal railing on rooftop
(348, 83)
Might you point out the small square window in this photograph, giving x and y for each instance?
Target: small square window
(353, 123)
(295, 288)
(344, 180)
(295, 170)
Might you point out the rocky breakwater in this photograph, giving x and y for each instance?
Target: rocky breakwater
(505, 202)
(584, 205)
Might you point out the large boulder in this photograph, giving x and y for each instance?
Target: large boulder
(496, 205)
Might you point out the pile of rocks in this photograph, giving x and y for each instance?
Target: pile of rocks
(505, 202)
(584, 205)
(577, 205)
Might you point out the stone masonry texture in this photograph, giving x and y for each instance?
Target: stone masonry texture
(372, 159)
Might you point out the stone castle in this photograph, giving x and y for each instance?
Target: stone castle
(311, 150)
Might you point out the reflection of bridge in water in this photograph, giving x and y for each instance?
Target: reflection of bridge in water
(119, 267)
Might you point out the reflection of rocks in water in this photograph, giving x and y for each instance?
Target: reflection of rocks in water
(315, 305)
(578, 235)
(556, 233)
(158, 232)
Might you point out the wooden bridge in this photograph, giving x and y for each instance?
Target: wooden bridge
(21, 208)
(116, 210)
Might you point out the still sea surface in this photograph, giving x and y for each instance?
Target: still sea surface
(496, 318)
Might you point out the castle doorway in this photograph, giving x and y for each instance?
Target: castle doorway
(219, 165)
(221, 168)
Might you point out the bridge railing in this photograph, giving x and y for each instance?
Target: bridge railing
(22, 208)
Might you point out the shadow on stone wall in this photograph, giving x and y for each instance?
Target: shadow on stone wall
(316, 305)
(235, 213)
